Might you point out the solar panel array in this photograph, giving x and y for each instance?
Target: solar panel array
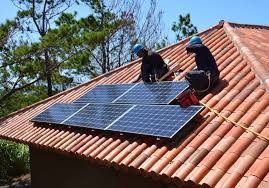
(151, 93)
(154, 120)
(126, 108)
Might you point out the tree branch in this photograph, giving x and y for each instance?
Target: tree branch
(14, 89)
(44, 16)
(34, 18)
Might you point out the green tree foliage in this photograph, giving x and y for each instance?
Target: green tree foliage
(84, 37)
(35, 17)
(46, 47)
(14, 159)
(184, 27)
(34, 56)
(163, 43)
(139, 27)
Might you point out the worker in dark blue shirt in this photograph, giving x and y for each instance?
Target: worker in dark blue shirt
(207, 74)
(153, 66)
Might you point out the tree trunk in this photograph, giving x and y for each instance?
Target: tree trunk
(104, 60)
(108, 68)
(48, 74)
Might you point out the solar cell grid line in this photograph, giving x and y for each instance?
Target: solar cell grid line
(57, 113)
(153, 93)
(104, 93)
(97, 116)
(120, 117)
(124, 93)
(87, 104)
(155, 120)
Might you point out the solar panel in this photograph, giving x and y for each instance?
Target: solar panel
(104, 93)
(155, 120)
(97, 116)
(153, 93)
(57, 113)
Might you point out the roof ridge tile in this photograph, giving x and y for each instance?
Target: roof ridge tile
(256, 65)
(249, 25)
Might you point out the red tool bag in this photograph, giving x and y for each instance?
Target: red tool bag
(187, 98)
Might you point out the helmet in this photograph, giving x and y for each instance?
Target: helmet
(137, 47)
(195, 40)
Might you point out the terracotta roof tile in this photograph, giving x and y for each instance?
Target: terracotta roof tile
(143, 156)
(252, 181)
(166, 160)
(151, 161)
(75, 142)
(255, 148)
(102, 147)
(212, 151)
(232, 180)
(94, 146)
(266, 178)
(263, 184)
(108, 149)
(111, 152)
(224, 165)
(52, 138)
(242, 165)
(242, 182)
(212, 177)
(132, 155)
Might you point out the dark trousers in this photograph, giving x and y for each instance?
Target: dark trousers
(200, 81)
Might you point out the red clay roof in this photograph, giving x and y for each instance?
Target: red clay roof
(209, 150)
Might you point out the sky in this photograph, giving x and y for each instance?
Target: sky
(204, 13)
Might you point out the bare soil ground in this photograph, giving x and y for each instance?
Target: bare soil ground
(20, 182)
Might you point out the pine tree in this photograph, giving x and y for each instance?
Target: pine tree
(184, 27)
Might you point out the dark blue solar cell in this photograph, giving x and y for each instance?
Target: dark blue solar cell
(104, 93)
(57, 113)
(155, 120)
(97, 116)
(153, 93)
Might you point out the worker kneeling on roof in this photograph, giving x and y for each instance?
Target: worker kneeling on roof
(207, 74)
(153, 66)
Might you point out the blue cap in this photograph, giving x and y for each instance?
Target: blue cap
(195, 40)
(137, 47)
